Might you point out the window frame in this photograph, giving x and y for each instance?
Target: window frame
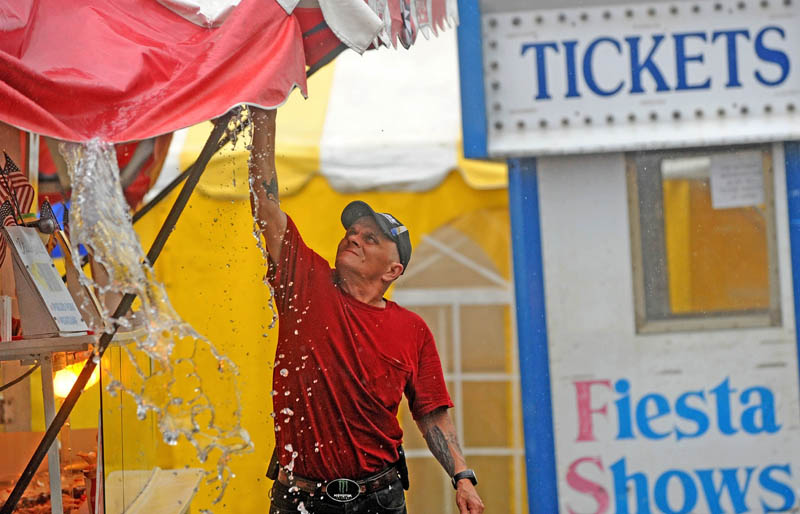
(771, 317)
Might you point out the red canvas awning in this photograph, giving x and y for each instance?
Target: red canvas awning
(123, 70)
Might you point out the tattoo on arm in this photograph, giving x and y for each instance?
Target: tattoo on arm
(438, 444)
(271, 189)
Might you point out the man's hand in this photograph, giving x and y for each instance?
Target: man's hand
(467, 498)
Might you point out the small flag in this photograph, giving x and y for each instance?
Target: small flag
(46, 212)
(6, 219)
(16, 195)
(10, 167)
(14, 186)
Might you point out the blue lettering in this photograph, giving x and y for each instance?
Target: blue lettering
(736, 492)
(766, 408)
(621, 478)
(733, 65)
(771, 55)
(643, 418)
(572, 72)
(722, 394)
(681, 61)
(689, 492)
(780, 488)
(624, 422)
(638, 67)
(687, 412)
(541, 66)
(588, 72)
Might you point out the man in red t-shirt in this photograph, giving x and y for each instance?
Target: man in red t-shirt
(344, 359)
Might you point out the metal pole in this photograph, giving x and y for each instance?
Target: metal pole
(69, 402)
(53, 457)
(33, 164)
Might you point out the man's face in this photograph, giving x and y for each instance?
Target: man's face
(365, 250)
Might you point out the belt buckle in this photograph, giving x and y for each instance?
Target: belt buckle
(342, 490)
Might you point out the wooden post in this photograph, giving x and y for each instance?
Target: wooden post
(53, 458)
(5, 318)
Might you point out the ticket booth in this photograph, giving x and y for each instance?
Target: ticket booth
(654, 181)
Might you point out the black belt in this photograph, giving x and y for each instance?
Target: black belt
(341, 489)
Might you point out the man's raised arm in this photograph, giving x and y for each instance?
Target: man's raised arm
(269, 217)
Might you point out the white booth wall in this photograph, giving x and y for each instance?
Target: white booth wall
(592, 340)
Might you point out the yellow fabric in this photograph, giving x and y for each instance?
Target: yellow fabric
(677, 210)
(300, 125)
(491, 229)
(482, 174)
(717, 259)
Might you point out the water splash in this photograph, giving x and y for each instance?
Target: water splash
(100, 221)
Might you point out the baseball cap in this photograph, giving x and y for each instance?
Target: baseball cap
(389, 225)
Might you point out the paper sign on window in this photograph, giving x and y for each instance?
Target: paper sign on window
(737, 180)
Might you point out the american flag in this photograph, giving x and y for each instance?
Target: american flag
(16, 196)
(6, 219)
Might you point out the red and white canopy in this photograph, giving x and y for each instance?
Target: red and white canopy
(123, 70)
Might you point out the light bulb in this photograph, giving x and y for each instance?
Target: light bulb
(66, 378)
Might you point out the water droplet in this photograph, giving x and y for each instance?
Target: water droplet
(171, 438)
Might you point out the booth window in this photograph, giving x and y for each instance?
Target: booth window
(703, 239)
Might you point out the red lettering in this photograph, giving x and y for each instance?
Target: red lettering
(585, 411)
(584, 485)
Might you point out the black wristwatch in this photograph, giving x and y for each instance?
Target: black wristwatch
(468, 474)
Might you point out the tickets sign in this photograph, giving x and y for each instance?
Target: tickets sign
(640, 76)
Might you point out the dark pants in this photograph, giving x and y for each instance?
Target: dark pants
(389, 500)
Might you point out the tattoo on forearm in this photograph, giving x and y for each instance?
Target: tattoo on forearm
(271, 189)
(438, 444)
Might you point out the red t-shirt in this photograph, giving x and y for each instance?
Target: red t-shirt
(341, 368)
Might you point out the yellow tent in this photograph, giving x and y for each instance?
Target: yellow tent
(383, 129)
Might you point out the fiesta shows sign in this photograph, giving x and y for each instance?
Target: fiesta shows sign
(723, 410)
(641, 75)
